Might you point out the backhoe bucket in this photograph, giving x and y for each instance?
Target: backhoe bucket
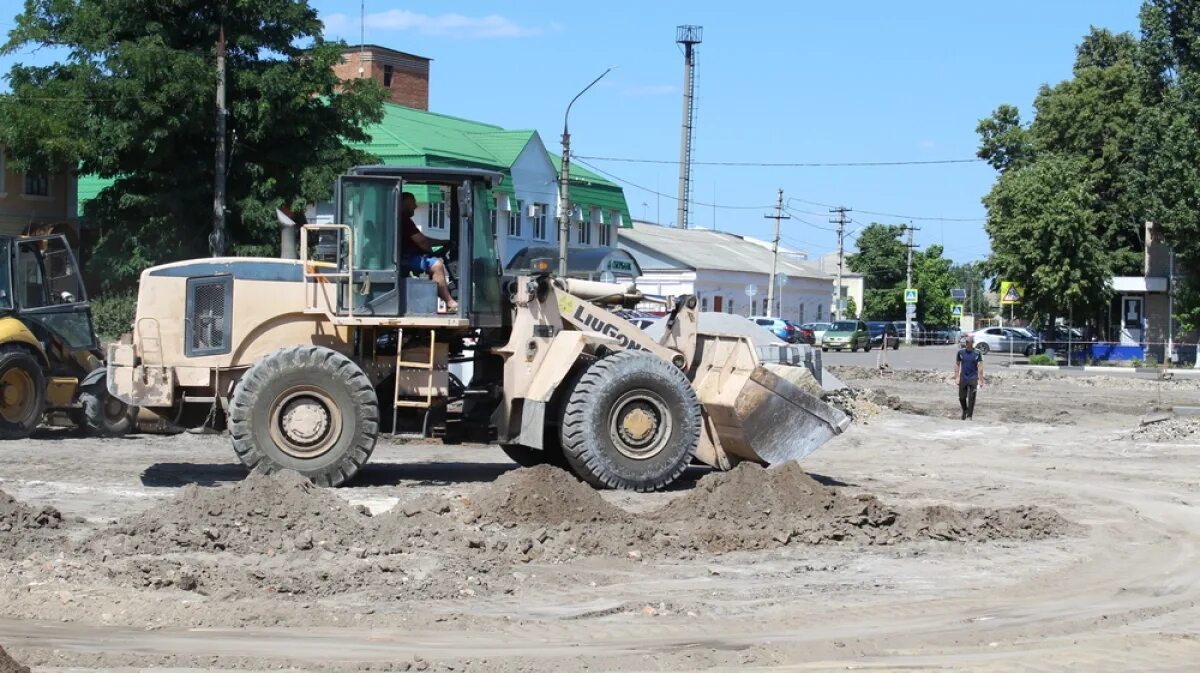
(768, 413)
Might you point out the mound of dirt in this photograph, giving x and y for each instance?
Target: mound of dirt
(543, 495)
(9, 665)
(752, 507)
(1170, 430)
(15, 515)
(862, 403)
(261, 514)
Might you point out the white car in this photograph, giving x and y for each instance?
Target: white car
(1005, 340)
(818, 329)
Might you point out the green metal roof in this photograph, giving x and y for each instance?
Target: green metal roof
(588, 189)
(88, 188)
(410, 137)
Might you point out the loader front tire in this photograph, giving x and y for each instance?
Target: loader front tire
(308, 409)
(631, 421)
(22, 394)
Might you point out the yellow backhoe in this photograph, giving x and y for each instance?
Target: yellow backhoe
(304, 355)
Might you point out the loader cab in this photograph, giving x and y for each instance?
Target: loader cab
(368, 255)
(41, 285)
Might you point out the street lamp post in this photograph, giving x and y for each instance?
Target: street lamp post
(564, 180)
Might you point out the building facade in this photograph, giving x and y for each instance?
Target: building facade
(34, 203)
(853, 285)
(404, 76)
(719, 267)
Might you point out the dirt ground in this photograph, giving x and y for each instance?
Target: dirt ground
(1053, 532)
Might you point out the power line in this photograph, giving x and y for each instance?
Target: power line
(658, 193)
(897, 216)
(792, 164)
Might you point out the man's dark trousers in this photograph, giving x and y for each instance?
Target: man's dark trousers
(966, 397)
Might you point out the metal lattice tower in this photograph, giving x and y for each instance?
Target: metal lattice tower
(689, 37)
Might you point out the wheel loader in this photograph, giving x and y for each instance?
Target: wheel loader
(51, 365)
(311, 359)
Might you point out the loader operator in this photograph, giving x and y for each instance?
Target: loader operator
(417, 249)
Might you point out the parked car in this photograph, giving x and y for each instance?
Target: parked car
(1005, 340)
(818, 329)
(847, 334)
(803, 334)
(881, 328)
(918, 334)
(782, 329)
(941, 334)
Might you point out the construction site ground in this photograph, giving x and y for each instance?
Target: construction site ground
(1052, 532)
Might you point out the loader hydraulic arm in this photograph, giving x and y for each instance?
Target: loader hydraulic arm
(678, 344)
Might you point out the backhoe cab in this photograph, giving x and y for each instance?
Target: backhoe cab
(313, 358)
(50, 358)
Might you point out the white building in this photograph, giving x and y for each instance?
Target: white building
(717, 267)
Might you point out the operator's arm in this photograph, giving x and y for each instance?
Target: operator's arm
(980, 365)
(957, 368)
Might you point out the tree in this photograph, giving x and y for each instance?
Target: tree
(1042, 221)
(133, 100)
(881, 259)
(933, 280)
(851, 308)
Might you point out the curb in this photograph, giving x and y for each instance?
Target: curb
(1110, 371)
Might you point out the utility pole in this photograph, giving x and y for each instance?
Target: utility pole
(908, 312)
(564, 182)
(216, 240)
(839, 218)
(778, 217)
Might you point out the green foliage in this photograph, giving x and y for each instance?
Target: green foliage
(112, 314)
(1122, 135)
(1042, 359)
(882, 259)
(851, 308)
(1042, 226)
(133, 100)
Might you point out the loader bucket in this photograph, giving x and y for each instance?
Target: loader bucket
(769, 413)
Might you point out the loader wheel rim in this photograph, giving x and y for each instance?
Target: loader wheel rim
(305, 422)
(639, 424)
(17, 395)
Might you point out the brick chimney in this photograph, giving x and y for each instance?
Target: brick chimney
(405, 76)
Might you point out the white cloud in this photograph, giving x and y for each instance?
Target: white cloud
(441, 25)
(651, 90)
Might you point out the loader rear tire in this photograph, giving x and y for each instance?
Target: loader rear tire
(631, 421)
(308, 409)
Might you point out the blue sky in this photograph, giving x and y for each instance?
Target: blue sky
(776, 82)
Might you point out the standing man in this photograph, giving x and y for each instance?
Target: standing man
(968, 374)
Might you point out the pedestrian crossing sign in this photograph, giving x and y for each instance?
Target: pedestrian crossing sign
(1010, 292)
(956, 310)
(910, 296)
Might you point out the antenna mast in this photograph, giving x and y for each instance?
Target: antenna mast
(689, 37)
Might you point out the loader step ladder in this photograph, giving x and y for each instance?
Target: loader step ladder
(406, 402)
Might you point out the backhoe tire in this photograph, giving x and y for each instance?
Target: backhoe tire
(102, 415)
(308, 409)
(22, 394)
(631, 421)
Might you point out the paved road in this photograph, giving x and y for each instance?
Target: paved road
(907, 357)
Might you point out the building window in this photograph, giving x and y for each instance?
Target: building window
(800, 315)
(514, 220)
(437, 215)
(820, 316)
(703, 303)
(387, 76)
(492, 220)
(605, 238)
(539, 222)
(585, 233)
(729, 307)
(37, 184)
(766, 309)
